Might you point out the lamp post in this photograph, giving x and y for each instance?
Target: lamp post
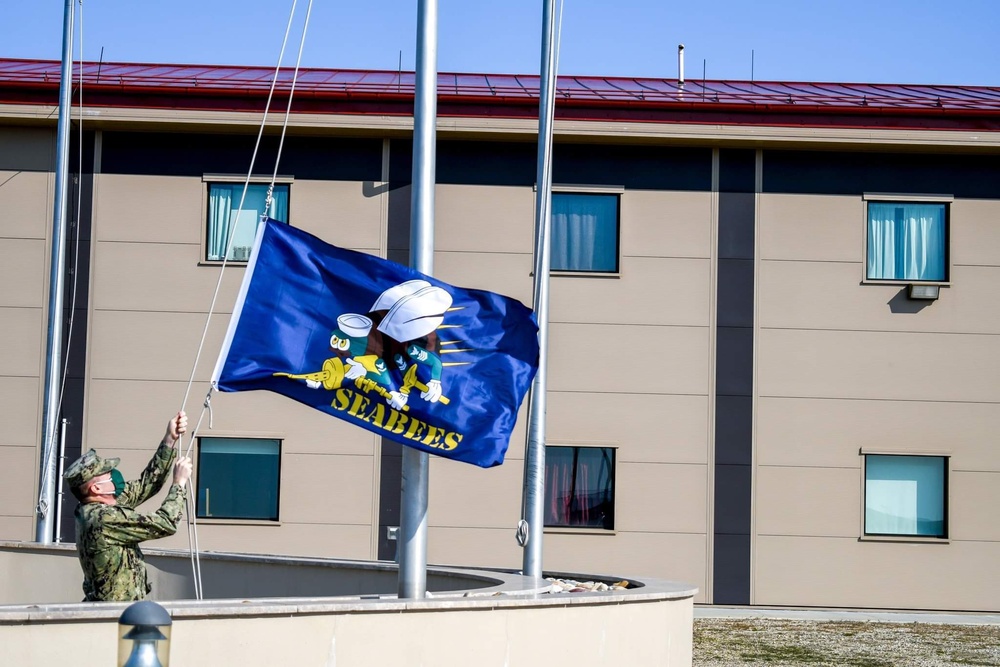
(144, 636)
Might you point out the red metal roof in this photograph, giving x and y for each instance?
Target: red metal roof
(607, 89)
(476, 92)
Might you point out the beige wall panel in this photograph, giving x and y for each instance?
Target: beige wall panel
(820, 432)
(823, 502)
(661, 498)
(482, 218)
(853, 364)
(160, 276)
(153, 346)
(321, 489)
(504, 273)
(666, 224)
(23, 273)
(828, 295)
(20, 528)
(23, 334)
(287, 539)
(27, 149)
(474, 547)
(344, 213)
(132, 415)
(812, 227)
(644, 427)
(649, 291)
(974, 499)
(464, 495)
(975, 234)
(26, 198)
(843, 572)
(18, 476)
(20, 410)
(620, 359)
(152, 209)
(674, 556)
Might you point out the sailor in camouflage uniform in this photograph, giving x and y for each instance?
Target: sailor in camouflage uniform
(109, 530)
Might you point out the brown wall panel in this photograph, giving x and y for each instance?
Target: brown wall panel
(855, 364)
(153, 345)
(816, 501)
(649, 291)
(665, 360)
(22, 273)
(645, 427)
(344, 213)
(830, 432)
(666, 224)
(478, 218)
(974, 233)
(463, 495)
(23, 332)
(843, 572)
(161, 277)
(812, 227)
(20, 410)
(661, 498)
(974, 499)
(149, 209)
(829, 295)
(26, 198)
(504, 273)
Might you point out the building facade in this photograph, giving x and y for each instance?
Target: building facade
(801, 401)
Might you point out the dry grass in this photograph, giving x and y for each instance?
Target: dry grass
(786, 643)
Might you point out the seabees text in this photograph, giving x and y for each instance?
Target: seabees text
(388, 419)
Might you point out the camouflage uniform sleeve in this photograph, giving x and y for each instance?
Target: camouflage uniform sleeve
(151, 481)
(125, 526)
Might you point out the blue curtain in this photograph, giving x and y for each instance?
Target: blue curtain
(223, 202)
(584, 232)
(906, 241)
(238, 478)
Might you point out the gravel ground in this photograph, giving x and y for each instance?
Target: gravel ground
(728, 642)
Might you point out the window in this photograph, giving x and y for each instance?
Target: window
(223, 207)
(580, 487)
(584, 232)
(238, 478)
(907, 241)
(905, 495)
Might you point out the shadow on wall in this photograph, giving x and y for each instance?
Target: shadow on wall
(901, 303)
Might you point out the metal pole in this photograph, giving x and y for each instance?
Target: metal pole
(54, 338)
(413, 515)
(59, 479)
(534, 455)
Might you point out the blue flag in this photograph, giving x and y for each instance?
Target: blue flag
(428, 365)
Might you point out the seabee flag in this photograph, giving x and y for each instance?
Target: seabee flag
(428, 365)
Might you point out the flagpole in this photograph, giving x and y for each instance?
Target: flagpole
(413, 515)
(54, 337)
(534, 455)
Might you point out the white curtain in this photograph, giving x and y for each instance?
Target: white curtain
(584, 232)
(223, 200)
(906, 241)
(904, 495)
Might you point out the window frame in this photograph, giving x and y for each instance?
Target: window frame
(195, 482)
(588, 530)
(619, 190)
(945, 497)
(207, 181)
(904, 198)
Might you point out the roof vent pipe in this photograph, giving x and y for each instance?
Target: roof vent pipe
(680, 65)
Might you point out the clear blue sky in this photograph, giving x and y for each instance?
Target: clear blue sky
(890, 41)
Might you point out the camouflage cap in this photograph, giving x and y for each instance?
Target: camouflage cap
(87, 467)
